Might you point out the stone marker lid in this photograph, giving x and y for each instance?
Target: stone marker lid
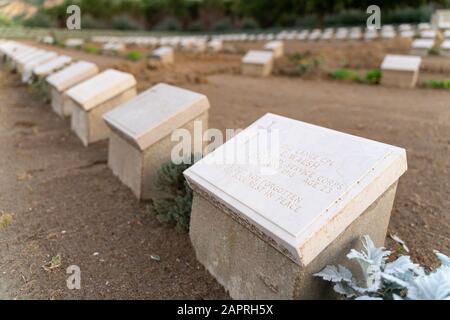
(324, 181)
(155, 113)
(272, 45)
(68, 77)
(258, 57)
(161, 51)
(445, 45)
(53, 64)
(423, 43)
(401, 62)
(101, 88)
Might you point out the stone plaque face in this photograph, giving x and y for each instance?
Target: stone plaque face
(314, 175)
(401, 63)
(72, 75)
(258, 57)
(423, 43)
(101, 88)
(155, 113)
(162, 51)
(52, 65)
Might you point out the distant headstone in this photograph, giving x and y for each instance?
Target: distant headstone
(164, 54)
(215, 45)
(112, 48)
(421, 47)
(257, 63)
(441, 19)
(28, 67)
(65, 79)
(445, 48)
(51, 66)
(400, 70)
(264, 233)
(276, 47)
(140, 141)
(74, 43)
(92, 98)
(428, 34)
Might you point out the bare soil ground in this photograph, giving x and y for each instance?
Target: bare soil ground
(64, 200)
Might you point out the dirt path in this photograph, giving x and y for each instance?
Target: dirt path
(65, 201)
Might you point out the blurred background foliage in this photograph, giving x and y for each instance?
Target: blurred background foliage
(213, 15)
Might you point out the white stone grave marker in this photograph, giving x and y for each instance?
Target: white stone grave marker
(257, 63)
(141, 142)
(92, 98)
(264, 233)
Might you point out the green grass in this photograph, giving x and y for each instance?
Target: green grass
(92, 50)
(5, 220)
(373, 76)
(134, 55)
(346, 74)
(438, 84)
(370, 77)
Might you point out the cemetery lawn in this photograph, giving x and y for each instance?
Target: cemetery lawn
(64, 200)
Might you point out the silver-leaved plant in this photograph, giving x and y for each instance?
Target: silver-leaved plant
(399, 279)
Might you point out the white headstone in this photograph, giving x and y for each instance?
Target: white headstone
(325, 179)
(155, 113)
(72, 75)
(423, 44)
(52, 66)
(101, 88)
(74, 42)
(445, 45)
(428, 34)
(29, 66)
(258, 57)
(401, 63)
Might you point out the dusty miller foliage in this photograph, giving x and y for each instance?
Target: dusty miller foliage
(175, 207)
(399, 280)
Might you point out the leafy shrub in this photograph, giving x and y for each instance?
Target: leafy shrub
(303, 63)
(134, 55)
(223, 25)
(249, 24)
(438, 84)
(196, 26)
(124, 22)
(168, 24)
(345, 74)
(373, 76)
(5, 21)
(399, 279)
(40, 20)
(88, 22)
(92, 50)
(175, 208)
(433, 52)
(41, 88)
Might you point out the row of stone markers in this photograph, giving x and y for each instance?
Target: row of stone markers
(262, 226)
(422, 30)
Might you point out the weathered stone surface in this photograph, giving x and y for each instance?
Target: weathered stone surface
(257, 63)
(401, 71)
(90, 99)
(276, 47)
(51, 66)
(313, 186)
(164, 54)
(142, 128)
(250, 268)
(65, 79)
